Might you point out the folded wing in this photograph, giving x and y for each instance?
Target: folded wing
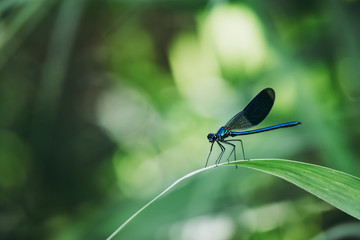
(255, 112)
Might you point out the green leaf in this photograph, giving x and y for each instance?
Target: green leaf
(337, 188)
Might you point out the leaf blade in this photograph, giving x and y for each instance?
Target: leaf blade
(337, 188)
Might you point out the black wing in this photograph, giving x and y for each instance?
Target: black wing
(255, 112)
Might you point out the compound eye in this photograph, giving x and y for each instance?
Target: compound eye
(211, 137)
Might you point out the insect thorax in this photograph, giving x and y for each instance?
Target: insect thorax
(222, 133)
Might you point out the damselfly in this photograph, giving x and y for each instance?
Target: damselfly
(253, 114)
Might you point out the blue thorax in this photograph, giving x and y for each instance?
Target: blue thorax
(222, 133)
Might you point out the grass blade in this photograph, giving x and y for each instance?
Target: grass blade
(337, 188)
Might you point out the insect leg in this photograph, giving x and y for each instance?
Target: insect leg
(242, 146)
(207, 160)
(232, 151)
(221, 154)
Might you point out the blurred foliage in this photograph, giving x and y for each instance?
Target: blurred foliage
(104, 103)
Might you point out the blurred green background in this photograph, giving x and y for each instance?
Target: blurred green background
(103, 104)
